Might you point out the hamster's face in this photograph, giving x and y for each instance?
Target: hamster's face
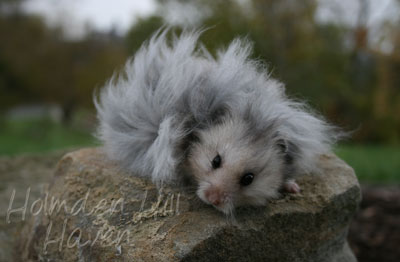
(234, 168)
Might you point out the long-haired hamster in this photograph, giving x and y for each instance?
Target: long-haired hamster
(178, 112)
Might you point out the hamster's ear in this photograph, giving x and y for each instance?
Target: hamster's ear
(282, 144)
(218, 114)
(288, 149)
(186, 142)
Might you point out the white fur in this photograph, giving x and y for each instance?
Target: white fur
(168, 91)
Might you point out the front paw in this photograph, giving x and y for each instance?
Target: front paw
(291, 186)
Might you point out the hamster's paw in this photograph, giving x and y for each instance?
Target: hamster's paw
(291, 186)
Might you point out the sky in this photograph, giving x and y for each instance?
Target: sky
(77, 15)
(103, 15)
(346, 10)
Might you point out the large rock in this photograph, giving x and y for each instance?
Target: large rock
(117, 217)
(18, 175)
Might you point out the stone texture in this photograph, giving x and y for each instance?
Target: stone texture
(175, 226)
(20, 173)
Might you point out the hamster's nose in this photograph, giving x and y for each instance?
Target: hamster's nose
(214, 196)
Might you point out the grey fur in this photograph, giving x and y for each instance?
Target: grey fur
(170, 92)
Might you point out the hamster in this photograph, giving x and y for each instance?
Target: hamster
(177, 113)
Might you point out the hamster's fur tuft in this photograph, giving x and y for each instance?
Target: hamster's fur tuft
(176, 109)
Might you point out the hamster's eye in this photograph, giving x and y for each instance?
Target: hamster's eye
(247, 179)
(216, 162)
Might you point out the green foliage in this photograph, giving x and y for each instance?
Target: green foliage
(39, 135)
(373, 163)
(38, 65)
(141, 31)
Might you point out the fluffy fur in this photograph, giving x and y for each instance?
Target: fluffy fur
(176, 107)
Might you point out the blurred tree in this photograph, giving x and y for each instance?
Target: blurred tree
(21, 34)
(38, 65)
(386, 94)
(332, 65)
(10, 6)
(141, 31)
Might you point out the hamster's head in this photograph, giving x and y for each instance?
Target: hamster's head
(234, 165)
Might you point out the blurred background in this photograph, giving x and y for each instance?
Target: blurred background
(343, 57)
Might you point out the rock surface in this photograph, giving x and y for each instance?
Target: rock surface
(19, 174)
(95, 212)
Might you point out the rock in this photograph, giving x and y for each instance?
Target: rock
(19, 174)
(108, 215)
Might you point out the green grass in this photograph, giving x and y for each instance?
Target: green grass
(39, 135)
(373, 163)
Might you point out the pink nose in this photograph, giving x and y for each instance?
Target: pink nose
(214, 196)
